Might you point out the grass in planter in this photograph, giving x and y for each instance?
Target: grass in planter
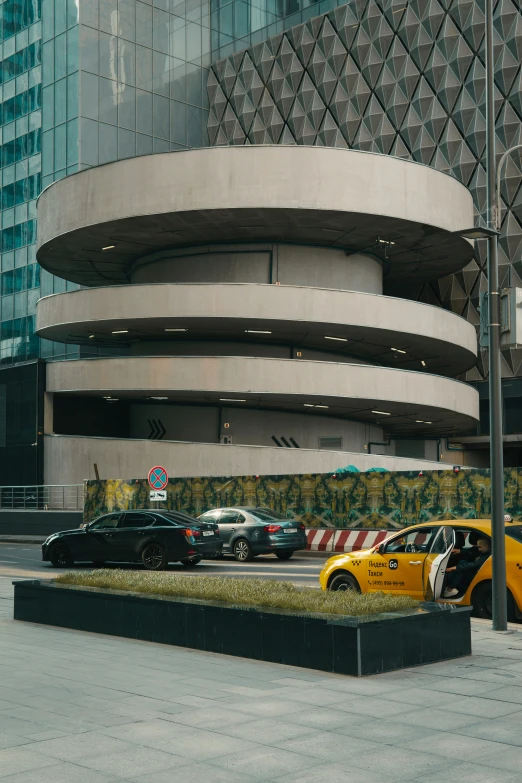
(246, 592)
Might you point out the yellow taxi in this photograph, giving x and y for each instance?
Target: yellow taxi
(422, 562)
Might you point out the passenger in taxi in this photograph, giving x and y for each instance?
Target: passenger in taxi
(460, 576)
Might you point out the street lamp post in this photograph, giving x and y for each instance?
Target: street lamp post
(499, 603)
(498, 207)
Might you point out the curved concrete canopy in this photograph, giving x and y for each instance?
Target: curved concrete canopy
(406, 402)
(309, 195)
(301, 317)
(70, 459)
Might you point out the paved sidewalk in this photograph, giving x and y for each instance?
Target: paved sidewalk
(93, 709)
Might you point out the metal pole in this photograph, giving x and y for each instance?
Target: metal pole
(499, 604)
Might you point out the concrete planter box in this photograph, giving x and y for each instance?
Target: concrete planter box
(345, 645)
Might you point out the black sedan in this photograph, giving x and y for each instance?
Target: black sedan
(154, 538)
(247, 531)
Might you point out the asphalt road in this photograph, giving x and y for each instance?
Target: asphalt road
(24, 561)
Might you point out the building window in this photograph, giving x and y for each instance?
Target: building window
(331, 443)
(413, 449)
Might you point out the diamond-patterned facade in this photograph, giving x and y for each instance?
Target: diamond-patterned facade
(405, 79)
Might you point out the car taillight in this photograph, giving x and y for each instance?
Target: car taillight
(192, 533)
(272, 528)
(301, 526)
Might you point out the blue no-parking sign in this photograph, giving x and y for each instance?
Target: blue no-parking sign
(158, 478)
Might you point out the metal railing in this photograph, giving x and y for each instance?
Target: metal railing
(57, 497)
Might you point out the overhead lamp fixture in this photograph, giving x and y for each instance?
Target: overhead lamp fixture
(340, 339)
(423, 363)
(158, 398)
(382, 413)
(91, 336)
(121, 331)
(309, 405)
(113, 399)
(257, 331)
(478, 232)
(385, 242)
(224, 399)
(177, 329)
(397, 350)
(109, 247)
(107, 398)
(322, 406)
(420, 421)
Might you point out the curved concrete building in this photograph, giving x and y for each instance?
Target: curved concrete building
(238, 292)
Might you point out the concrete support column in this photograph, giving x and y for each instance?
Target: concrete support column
(300, 265)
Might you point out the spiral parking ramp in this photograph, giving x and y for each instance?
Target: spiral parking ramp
(235, 296)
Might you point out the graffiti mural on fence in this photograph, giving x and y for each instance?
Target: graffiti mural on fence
(349, 500)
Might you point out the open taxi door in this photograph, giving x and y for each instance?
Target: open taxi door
(436, 561)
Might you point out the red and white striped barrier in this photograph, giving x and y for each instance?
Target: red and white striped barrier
(331, 540)
(320, 540)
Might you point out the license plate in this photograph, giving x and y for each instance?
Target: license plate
(208, 532)
(290, 530)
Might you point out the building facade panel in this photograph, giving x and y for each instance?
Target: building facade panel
(404, 79)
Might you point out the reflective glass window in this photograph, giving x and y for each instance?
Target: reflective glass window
(143, 144)
(126, 143)
(126, 62)
(108, 101)
(144, 24)
(144, 112)
(108, 143)
(72, 96)
(89, 49)
(178, 114)
(60, 146)
(60, 16)
(72, 142)
(143, 68)
(89, 142)
(73, 50)
(60, 101)
(60, 54)
(161, 117)
(89, 93)
(160, 30)
(127, 108)
(89, 12)
(127, 19)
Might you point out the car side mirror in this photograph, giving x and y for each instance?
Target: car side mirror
(380, 549)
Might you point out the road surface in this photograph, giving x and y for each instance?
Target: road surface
(23, 561)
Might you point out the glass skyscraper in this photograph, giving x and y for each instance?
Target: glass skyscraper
(20, 118)
(84, 83)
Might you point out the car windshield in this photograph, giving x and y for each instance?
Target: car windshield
(515, 532)
(178, 517)
(265, 514)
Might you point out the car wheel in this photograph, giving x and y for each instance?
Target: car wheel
(98, 563)
(284, 555)
(154, 557)
(60, 556)
(482, 602)
(343, 582)
(191, 561)
(243, 551)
